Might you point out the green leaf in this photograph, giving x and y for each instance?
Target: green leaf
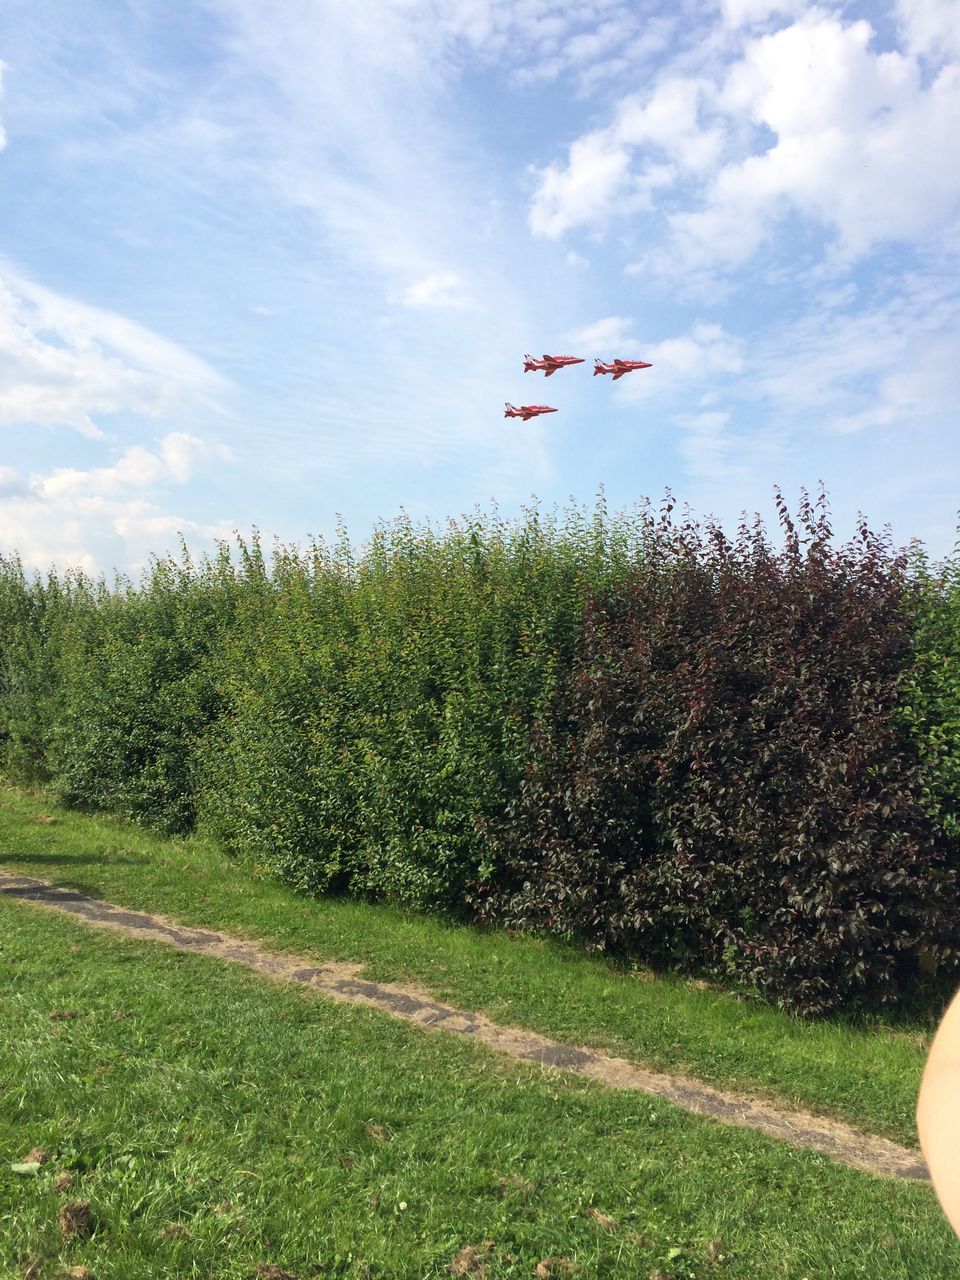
(31, 1166)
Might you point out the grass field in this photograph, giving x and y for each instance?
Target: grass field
(215, 1121)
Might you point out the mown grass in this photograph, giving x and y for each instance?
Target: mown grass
(215, 1122)
(866, 1071)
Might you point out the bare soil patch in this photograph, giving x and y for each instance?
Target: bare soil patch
(800, 1128)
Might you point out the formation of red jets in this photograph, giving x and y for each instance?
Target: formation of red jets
(550, 364)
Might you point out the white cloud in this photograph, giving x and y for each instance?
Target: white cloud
(442, 291)
(63, 363)
(596, 183)
(175, 462)
(100, 517)
(589, 46)
(706, 350)
(810, 118)
(773, 80)
(585, 190)
(602, 335)
(931, 28)
(350, 119)
(670, 119)
(182, 453)
(848, 153)
(615, 44)
(361, 134)
(925, 386)
(681, 364)
(97, 535)
(538, 39)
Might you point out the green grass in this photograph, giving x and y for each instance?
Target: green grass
(214, 1120)
(222, 1086)
(864, 1071)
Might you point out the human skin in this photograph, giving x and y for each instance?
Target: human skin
(938, 1113)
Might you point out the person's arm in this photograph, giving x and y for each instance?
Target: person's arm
(938, 1113)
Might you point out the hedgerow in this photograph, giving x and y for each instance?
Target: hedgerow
(731, 785)
(378, 706)
(629, 732)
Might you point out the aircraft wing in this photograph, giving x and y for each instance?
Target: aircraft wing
(553, 369)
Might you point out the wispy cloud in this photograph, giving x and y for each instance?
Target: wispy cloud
(891, 360)
(442, 291)
(706, 447)
(350, 115)
(63, 363)
(603, 335)
(11, 483)
(739, 13)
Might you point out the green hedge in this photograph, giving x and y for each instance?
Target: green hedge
(566, 726)
(378, 708)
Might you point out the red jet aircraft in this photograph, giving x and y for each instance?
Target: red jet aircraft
(549, 364)
(619, 367)
(526, 411)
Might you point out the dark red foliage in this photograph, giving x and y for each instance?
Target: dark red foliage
(726, 786)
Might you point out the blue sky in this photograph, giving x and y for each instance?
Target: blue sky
(269, 263)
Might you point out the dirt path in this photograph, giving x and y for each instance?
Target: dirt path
(832, 1138)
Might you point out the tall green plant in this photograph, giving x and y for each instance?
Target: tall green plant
(931, 689)
(35, 615)
(279, 775)
(138, 693)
